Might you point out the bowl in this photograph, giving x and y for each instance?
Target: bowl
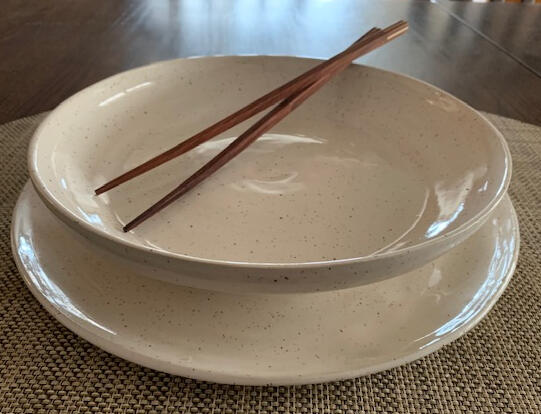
(373, 176)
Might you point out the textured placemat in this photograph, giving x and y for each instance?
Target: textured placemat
(496, 368)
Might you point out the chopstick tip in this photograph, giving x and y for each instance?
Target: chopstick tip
(135, 222)
(101, 190)
(398, 31)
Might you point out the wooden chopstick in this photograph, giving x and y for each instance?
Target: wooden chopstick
(266, 101)
(260, 127)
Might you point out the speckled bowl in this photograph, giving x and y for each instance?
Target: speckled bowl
(373, 176)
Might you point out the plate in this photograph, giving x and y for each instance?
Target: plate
(375, 175)
(261, 339)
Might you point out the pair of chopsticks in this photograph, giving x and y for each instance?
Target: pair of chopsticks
(290, 96)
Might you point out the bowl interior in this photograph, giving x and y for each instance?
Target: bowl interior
(374, 162)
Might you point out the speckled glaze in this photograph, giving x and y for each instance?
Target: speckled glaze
(261, 339)
(375, 175)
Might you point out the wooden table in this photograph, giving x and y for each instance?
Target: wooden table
(489, 55)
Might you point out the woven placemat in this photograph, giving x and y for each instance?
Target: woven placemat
(495, 368)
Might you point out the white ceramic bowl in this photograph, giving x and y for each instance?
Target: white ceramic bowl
(373, 176)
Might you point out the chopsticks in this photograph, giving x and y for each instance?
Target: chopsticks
(293, 94)
(357, 49)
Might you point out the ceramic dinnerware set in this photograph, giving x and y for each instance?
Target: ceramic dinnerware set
(368, 228)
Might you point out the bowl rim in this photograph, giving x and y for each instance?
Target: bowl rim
(65, 213)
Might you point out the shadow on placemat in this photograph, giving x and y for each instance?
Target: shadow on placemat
(494, 368)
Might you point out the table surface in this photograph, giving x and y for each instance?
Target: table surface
(514, 28)
(486, 54)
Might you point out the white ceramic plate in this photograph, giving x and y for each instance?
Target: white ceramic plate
(262, 339)
(373, 176)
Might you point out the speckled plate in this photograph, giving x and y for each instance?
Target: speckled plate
(375, 175)
(261, 339)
